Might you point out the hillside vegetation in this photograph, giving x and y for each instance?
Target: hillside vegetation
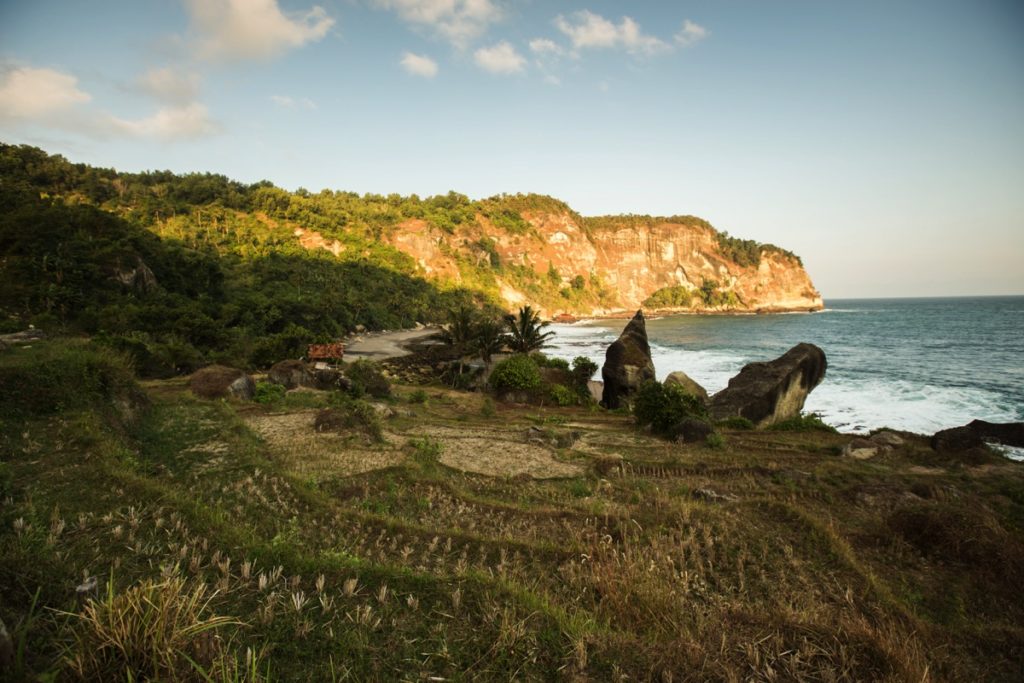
(461, 539)
(183, 270)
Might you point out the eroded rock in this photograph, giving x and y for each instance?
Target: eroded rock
(766, 393)
(976, 433)
(627, 363)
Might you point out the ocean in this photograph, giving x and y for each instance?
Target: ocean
(919, 365)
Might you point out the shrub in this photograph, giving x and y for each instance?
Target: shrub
(715, 440)
(543, 361)
(487, 408)
(663, 407)
(418, 396)
(804, 423)
(676, 296)
(367, 379)
(268, 392)
(563, 395)
(518, 372)
(582, 370)
(63, 375)
(736, 422)
(350, 414)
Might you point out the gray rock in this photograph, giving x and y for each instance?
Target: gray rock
(861, 449)
(766, 393)
(691, 387)
(887, 438)
(218, 381)
(692, 430)
(291, 374)
(627, 363)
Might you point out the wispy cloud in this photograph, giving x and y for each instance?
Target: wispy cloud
(690, 34)
(546, 46)
(170, 123)
(289, 102)
(500, 58)
(169, 85)
(253, 29)
(47, 97)
(419, 65)
(460, 22)
(587, 30)
(37, 93)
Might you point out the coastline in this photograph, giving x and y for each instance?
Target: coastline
(652, 313)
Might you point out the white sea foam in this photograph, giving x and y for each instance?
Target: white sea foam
(849, 404)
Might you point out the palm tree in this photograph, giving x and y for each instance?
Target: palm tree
(490, 338)
(461, 330)
(525, 330)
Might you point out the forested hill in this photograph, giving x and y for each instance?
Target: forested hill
(182, 270)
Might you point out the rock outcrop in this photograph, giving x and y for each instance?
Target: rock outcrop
(627, 363)
(689, 385)
(977, 433)
(766, 393)
(290, 374)
(218, 381)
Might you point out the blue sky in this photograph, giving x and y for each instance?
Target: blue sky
(882, 141)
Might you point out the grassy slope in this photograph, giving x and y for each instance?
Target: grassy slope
(815, 567)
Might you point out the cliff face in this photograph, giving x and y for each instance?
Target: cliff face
(628, 261)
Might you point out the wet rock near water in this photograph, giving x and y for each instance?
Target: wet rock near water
(767, 393)
(976, 434)
(627, 363)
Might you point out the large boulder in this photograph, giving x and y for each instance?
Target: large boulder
(290, 374)
(627, 363)
(976, 433)
(219, 381)
(766, 393)
(688, 384)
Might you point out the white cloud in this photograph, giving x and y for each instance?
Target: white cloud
(170, 123)
(589, 30)
(457, 21)
(690, 34)
(501, 58)
(168, 85)
(253, 29)
(551, 79)
(419, 65)
(31, 93)
(292, 103)
(544, 46)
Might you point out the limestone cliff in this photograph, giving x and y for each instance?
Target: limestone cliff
(567, 264)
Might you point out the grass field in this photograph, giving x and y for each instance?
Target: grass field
(231, 541)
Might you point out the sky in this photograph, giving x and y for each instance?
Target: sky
(881, 141)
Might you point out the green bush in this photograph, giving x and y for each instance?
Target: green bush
(563, 395)
(519, 373)
(736, 422)
(663, 407)
(347, 414)
(487, 408)
(804, 423)
(268, 392)
(582, 370)
(543, 361)
(367, 379)
(677, 296)
(61, 375)
(418, 396)
(715, 440)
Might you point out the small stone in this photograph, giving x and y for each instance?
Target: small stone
(861, 449)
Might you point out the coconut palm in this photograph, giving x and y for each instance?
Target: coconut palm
(526, 331)
(490, 338)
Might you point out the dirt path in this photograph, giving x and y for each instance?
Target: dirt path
(384, 345)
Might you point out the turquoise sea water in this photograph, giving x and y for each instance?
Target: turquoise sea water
(915, 364)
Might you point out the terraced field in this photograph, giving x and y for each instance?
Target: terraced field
(527, 544)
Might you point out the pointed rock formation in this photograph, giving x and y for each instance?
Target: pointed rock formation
(766, 393)
(627, 363)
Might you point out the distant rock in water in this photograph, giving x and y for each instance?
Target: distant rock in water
(688, 384)
(766, 393)
(219, 381)
(627, 363)
(976, 433)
